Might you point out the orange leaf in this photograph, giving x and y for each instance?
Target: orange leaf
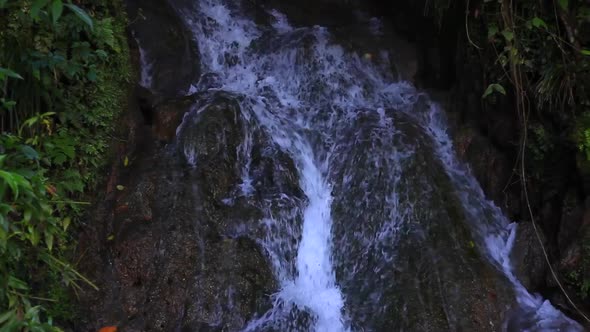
(108, 329)
(51, 190)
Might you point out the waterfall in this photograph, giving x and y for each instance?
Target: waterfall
(145, 77)
(344, 120)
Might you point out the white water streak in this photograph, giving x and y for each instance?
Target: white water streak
(498, 236)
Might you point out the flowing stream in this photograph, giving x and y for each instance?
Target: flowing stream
(361, 141)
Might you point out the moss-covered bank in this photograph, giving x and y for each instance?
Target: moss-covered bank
(64, 78)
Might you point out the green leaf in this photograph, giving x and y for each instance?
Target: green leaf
(5, 72)
(11, 180)
(69, 151)
(57, 9)
(539, 23)
(34, 236)
(101, 54)
(495, 87)
(27, 216)
(120, 187)
(508, 35)
(585, 52)
(29, 152)
(49, 240)
(500, 89)
(37, 6)
(492, 31)
(564, 4)
(6, 316)
(66, 223)
(81, 14)
(92, 75)
(17, 283)
(9, 105)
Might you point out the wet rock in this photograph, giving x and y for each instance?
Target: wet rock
(231, 282)
(169, 51)
(210, 139)
(573, 263)
(528, 259)
(412, 239)
(572, 214)
(208, 81)
(491, 167)
(146, 101)
(572, 257)
(167, 116)
(169, 252)
(237, 164)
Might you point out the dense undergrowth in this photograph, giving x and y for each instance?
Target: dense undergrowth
(64, 72)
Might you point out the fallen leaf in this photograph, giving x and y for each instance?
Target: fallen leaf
(110, 238)
(108, 329)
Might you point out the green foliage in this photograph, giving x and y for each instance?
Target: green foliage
(540, 142)
(63, 77)
(584, 142)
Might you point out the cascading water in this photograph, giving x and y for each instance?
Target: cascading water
(145, 77)
(498, 236)
(359, 140)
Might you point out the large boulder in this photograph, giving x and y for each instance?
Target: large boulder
(175, 247)
(417, 263)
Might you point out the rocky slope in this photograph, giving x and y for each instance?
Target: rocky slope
(168, 253)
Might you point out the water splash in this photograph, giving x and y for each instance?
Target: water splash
(308, 93)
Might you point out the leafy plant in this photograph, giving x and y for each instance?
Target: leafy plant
(63, 78)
